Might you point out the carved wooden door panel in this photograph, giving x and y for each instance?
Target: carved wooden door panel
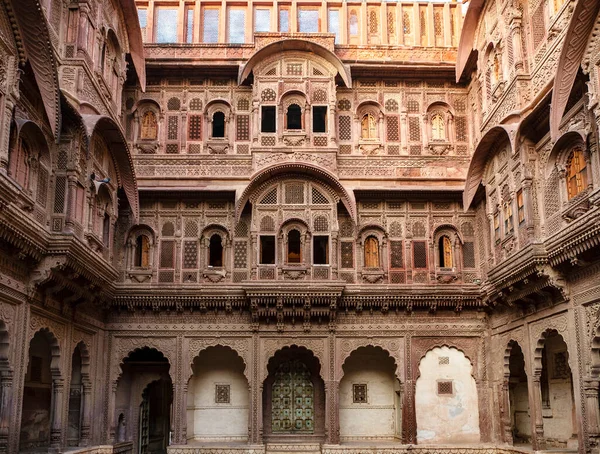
(292, 399)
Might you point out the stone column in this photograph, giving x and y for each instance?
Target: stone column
(517, 44)
(182, 440)
(86, 408)
(71, 208)
(535, 404)
(409, 417)
(5, 142)
(334, 255)
(253, 257)
(332, 416)
(58, 389)
(506, 417)
(5, 404)
(112, 424)
(590, 388)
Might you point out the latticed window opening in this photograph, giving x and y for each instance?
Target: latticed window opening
(242, 128)
(243, 104)
(240, 254)
(391, 105)
(406, 26)
(396, 229)
(423, 26)
(353, 23)
(196, 104)
(172, 127)
(168, 229)
(345, 127)
(294, 193)
(268, 95)
(344, 104)
(373, 22)
(269, 198)
(468, 251)
(359, 393)
(195, 127)
(576, 173)
(59, 194)
(467, 229)
(174, 103)
(414, 129)
(42, 186)
(241, 229)
(167, 254)
(461, 129)
(419, 254)
(391, 18)
(191, 229)
(393, 128)
(320, 96)
(267, 224)
(438, 26)
(346, 228)
(419, 230)
(321, 224)
(318, 198)
(396, 253)
(412, 106)
(347, 250)
(190, 255)
(444, 388)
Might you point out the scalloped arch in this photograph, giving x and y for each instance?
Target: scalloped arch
(295, 44)
(295, 169)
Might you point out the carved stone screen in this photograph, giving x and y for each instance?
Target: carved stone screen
(292, 399)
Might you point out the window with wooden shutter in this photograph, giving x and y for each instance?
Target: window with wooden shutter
(576, 173)
(445, 249)
(371, 252)
(368, 127)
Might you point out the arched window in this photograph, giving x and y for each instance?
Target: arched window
(215, 251)
(293, 117)
(142, 252)
(371, 252)
(445, 251)
(497, 68)
(149, 126)
(368, 127)
(294, 254)
(438, 127)
(218, 124)
(576, 173)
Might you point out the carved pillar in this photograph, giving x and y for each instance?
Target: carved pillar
(331, 122)
(517, 44)
(83, 27)
(86, 407)
(528, 207)
(182, 439)
(58, 390)
(409, 417)
(535, 403)
(334, 255)
(5, 406)
(5, 143)
(592, 411)
(112, 398)
(403, 127)
(253, 257)
(332, 419)
(506, 416)
(71, 191)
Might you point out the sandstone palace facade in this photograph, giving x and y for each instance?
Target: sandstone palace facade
(272, 226)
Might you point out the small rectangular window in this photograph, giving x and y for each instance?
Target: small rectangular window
(308, 20)
(143, 19)
(321, 250)
(210, 22)
(268, 123)
(267, 250)
(520, 206)
(166, 25)
(320, 119)
(359, 393)
(333, 23)
(445, 388)
(189, 25)
(236, 26)
(262, 20)
(222, 394)
(284, 20)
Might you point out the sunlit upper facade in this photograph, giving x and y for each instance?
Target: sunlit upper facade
(427, 24)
